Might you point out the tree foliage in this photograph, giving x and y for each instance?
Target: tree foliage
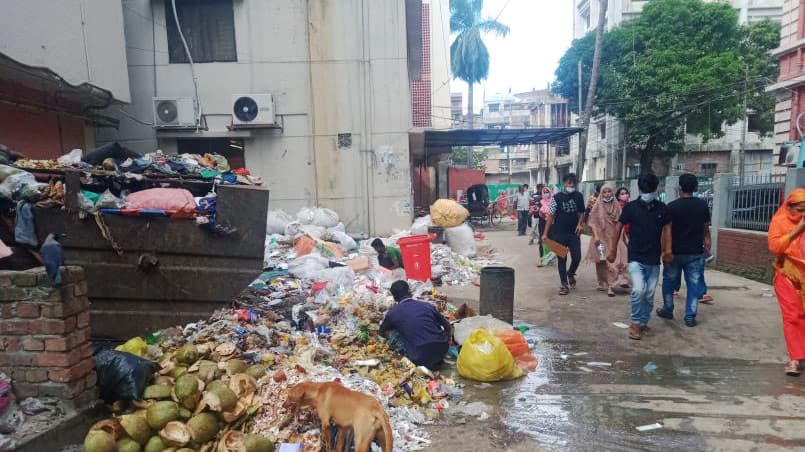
(680, 66)
(468, 157)
(469, 57)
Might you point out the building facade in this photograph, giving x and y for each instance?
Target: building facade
(342, 96)
(606, 155)
(526, 164)
(790, 86)
(60, 63)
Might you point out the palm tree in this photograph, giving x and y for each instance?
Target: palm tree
(469, 58)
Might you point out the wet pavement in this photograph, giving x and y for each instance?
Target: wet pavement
(718, 386)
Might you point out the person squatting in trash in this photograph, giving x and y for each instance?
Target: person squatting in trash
(788, 247)
(387, 256)
(415, 328)
(649, 242)
(564, 225)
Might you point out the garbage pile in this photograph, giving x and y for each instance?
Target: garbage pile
(115, 159)
(313, 314)
(117, 181)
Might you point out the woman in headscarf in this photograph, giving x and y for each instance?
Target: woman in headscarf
(603, 221)
(786, 243)
(542, 209)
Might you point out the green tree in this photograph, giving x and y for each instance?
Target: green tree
(680, 66)
(468, 157)
(469, 57)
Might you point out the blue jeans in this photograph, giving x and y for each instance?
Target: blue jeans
(644, 283)
(522, 221)
(693, 267)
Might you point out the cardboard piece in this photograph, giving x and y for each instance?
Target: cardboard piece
(359, 264)
(558, 249)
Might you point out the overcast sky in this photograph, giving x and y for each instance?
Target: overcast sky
(541, 31)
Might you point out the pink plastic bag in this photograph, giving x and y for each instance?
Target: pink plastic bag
(178, 201)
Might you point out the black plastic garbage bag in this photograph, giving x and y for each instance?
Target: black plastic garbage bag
(113, 150)
(123, 376)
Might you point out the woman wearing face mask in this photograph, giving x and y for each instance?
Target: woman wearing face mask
(623, 198)
(786, 243)
(543, 207)
(604, 221)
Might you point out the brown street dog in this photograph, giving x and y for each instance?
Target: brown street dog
(348, 409)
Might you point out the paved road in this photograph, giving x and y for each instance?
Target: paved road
(718, 386)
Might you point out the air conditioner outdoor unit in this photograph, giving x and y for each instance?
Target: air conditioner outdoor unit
(174, 112)
(253, 110)
(791, 155)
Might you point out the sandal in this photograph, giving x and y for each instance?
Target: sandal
(602, 288)
(572, 281)
(793, 369)
(564, 290)
(706, 299)
(635, 332)
(610, 292)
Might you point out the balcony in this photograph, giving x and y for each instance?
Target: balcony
(519, 168)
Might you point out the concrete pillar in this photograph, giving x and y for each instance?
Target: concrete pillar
(441, 178)
(721, 207)
(795, 178)
(671, 184)
(633, 189)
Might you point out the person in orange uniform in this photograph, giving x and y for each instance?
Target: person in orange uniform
(786, 243)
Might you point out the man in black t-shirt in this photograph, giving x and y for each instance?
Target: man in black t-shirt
(690, 234)
(649, 242)
(565, 219)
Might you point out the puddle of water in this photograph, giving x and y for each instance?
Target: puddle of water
(566, 408)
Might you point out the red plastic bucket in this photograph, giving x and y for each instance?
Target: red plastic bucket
(415, 252)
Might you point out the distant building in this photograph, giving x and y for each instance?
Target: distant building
(531, 164)
(790, 86)
(61, 63)
(457, 109)
(606, 157)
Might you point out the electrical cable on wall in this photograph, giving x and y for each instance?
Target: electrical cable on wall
(192, 66)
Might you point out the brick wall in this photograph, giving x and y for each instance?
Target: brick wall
(463, 178)
(745, 253)
(44, 335)
(691, 162)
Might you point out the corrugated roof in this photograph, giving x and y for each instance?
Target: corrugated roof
(502, 137)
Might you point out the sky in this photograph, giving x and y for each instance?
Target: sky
(540, 32)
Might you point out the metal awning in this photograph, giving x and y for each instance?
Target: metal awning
(44, 89)
(501, 137)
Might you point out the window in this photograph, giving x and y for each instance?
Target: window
(709, 169)
(602, 130)
(232, 149)
(494, 108)
(208, 27)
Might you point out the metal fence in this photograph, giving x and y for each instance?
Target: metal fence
(753, 201)
(706, 191)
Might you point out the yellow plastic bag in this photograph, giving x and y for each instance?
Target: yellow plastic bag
(135, 346)
(484, 357)
(447, 213)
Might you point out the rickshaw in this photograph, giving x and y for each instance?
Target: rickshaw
(481, 209)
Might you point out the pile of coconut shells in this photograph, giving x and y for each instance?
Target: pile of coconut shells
(199, 402)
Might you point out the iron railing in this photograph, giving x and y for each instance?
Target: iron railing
(754, 200)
